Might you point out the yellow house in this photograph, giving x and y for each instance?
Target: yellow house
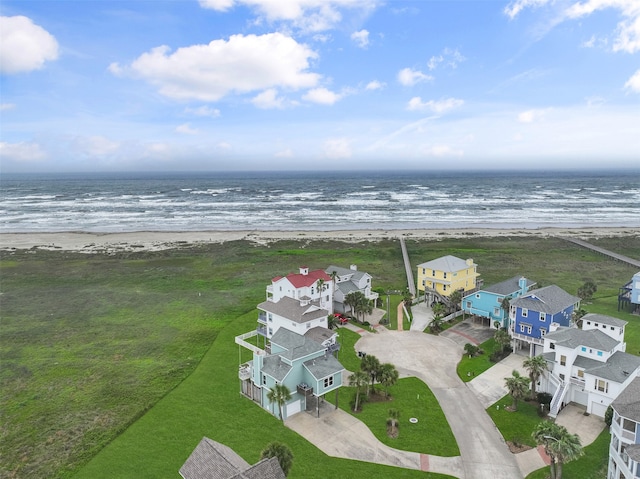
(446, 275)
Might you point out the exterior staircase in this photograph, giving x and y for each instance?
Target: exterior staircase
(556, 402)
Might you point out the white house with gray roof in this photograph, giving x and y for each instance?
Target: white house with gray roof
(624, 448)
(588, 366)
(300, 362)
(346, 281)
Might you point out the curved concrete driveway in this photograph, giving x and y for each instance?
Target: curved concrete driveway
(433, 359)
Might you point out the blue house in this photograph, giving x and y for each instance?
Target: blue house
(630, 295)
(301, 363)
(531, 316)
(487, 302)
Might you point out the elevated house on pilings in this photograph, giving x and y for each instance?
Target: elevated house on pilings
(629, 295)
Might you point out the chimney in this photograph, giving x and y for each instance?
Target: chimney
(304, 270)
(522, 282)
(353, 267)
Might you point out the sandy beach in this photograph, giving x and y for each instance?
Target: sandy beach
(162, 240)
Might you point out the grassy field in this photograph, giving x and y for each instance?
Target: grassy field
(468, 368)
(412, 398)
(94, 347)
(515, 426)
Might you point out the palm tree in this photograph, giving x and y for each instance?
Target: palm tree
(559, 444)
(359, 379)
(371, 366)
(536, 367)
(393, 422)
(334, 276)
(503, 339)
(280, 451)
(387, 376)
(320, 285)
(518, 387)
(280, 394)
(455, 299)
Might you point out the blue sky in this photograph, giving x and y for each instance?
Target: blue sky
(319, 84)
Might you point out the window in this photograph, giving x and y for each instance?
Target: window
(563, 360)
(445, 275)
(542, 332)
(270, 317)
(543, 317)
(469, 304)
(433, 273)
(562, 377)
(629, 425)
(525, 312)
(604, 326)
(599, 353)
(270, 331)
(602, 385)
(264, 379)
(328, 381)
(444, 287)
(588, 323)
(496, 311)
(308, 325)
(478, 295)
(552, 345)
(580, 373)
(525, 328)
(583, 349)
(424, 271)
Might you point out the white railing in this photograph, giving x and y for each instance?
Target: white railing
(528, 339)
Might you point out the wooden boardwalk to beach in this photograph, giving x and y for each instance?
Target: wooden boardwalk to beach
(606, 252)
(407, 266)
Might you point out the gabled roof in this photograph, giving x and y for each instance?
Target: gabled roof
(445, 263)
(212, 460)
(627, 403)
(320, 334)
(550, 299)
(274, 366)
(295, 345)
(293, 309)
(602, 319)
(618, 367)
(507, 287)
(354, 273)
(299, 280)
(323, 366)
(573, 338)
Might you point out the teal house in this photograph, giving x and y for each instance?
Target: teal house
(487, 302)
(301, 363)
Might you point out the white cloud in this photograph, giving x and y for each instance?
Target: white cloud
(514, 8)
(337, 148)
(240, 65)
(322, 96)
(186, 129)
(444, 151)
(633, 84)
(307, 15)
(24, 46)
(374, 85)
(449, 58)
(361, 38)
(203, 111)
(409, 77)
(268, 99)
(440, 106)
(95, 146)
(589, 43)
(530, 116)
(21, 152)
(627, 35)
(7, 106)
(116, 69)
(286, 153)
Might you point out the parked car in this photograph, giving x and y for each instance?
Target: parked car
(341, 318)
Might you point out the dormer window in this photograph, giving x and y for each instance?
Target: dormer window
(525, 312)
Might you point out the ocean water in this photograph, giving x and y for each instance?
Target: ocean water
(316, 201)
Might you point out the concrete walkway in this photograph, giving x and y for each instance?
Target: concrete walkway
(433, 359)
(422, 317)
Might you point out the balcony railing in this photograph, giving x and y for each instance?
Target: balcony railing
(528, 339)
(244, 372)
(262, 318)
(262, 331)
(333, 348)
(577, 381)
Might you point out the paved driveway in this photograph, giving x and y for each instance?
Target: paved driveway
(433, 359)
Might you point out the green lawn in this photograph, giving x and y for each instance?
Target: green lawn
(515, 426)
(208, 403)
(593, 465)
(468, 368)
(90, 343)
(347, 354)
(412, 398)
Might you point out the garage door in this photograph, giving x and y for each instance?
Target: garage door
(598, 409)
(292, 408)
(580, 397)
